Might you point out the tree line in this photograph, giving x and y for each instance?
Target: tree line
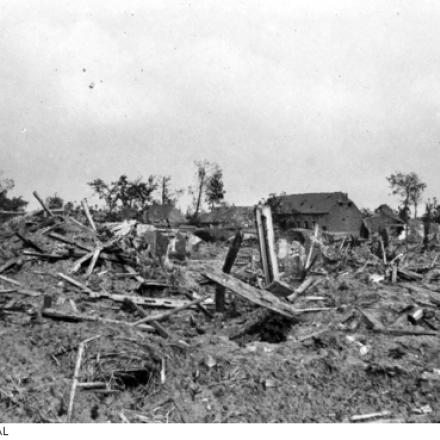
(139, 193)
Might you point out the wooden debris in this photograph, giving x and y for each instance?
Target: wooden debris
(266, 241)
(93, 261)
(370, 416)
(10, 263)
(77, 317)
(301, 288)
(199, 306)
(227, 266)
(85, 207)
(166, 315)
(43, 205)
(81, 348)
(29, 243)
(9, 280)
(262, 298)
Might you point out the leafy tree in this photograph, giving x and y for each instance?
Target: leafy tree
(105, 192)
(9, 203)
(409, 187)
(274, 200)
(125, 193)
(215, 192)
(169, 197)
(54, 202)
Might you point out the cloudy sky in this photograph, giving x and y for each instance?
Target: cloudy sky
(291, 96)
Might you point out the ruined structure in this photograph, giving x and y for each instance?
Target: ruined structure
(333, 212)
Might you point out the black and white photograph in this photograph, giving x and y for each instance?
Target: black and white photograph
(219, 212)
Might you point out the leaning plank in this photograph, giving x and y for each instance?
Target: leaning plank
(93, 261)
(227, 266)
(9, 264)
(45, 208)
(157, 326)
(29, 243)
(262, 298)
(85, 207)
(301, 288)
(166, 315)
(78, 284)
(77, 266)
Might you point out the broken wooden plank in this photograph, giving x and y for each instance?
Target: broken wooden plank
(9, 280)
(139, 300)
(409, 275)
(370, 416)
(85, 207)
(301, 288)
(266, 241)
(46, 256)
(29, 243)
(94, 260)
(78, 317)
(10, 263)
(43, 205)
(78, 284)
(77, 266)
(227, 266)
(262, 298)
(166, 315)
(75, 380)
(158, 327)
(202, 308)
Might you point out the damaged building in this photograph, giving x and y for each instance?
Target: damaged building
(333, 212)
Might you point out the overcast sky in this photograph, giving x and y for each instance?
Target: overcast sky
(291, 96)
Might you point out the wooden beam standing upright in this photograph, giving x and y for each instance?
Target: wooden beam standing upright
(45, 208)
(85, 207)
(229, 262)
(266, 240)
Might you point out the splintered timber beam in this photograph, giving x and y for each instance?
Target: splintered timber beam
(40, 201)
(262, 298)
(229, 262)
(85, 207)
(266, 240)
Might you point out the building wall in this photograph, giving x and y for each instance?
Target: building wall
(343, 219)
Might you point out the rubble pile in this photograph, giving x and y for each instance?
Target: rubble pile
(125, 322)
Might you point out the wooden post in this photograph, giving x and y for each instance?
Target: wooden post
(227, 266)
(266, 240)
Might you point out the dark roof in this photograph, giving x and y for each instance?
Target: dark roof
(163, 214)
(312, 203)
